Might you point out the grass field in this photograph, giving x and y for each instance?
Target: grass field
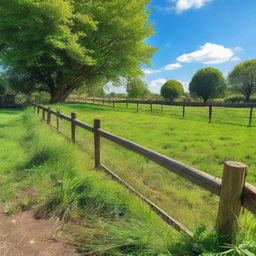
(197, 143)
(42, 170)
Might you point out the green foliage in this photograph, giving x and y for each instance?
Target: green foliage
(64, 44)
(207, 83)
(136, 88)
(243, 78)
(172, 89)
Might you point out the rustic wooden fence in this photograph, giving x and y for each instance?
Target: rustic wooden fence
(183, 105)
(232, 189)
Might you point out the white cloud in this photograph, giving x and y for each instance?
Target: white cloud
(109, 87)
(156, 85)
(172, 66)
(165, 68)
(150, 71)
(208, 54)
(183, 5)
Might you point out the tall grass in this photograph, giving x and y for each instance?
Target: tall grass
(44, 171)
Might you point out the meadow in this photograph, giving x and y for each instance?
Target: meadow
(42, 170)
(193, 142)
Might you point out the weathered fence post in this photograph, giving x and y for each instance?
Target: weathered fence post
(151, 108)
(43, 113)
(137, 106)
(58, 120)
(250, 119)
(49, 116)
(233, 182)
(73, 127)
(183, 111)
(97, 140)
(210, 113)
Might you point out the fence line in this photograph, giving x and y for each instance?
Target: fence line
(232, 189)
(103, 101)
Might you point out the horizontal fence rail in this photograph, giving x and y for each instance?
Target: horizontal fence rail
(113, 102)
(246, 197)
(189, 104)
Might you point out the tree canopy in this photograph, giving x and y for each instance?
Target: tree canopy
(64, 44)
(207, 83)
(243, 78)
(171, 90)
(136, 88)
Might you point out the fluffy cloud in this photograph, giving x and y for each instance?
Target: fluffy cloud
(165, 68)
(155, 85)
(172, 66)
(209, 54)
(150, 71)
(183, 5)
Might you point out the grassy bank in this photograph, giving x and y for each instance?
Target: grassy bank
(42, 170)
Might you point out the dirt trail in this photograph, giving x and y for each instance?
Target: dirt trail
(23, 235)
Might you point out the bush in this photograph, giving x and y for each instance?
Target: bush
(207, 83)
(171, 90)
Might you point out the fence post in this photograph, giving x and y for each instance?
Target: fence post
(151, 108)
(210, 113)
(49, 116)
(183, 111)
(137, 106)
(97, 140)
(73, 127)
(233, 182)
(250, 120)
(43, 113)
(58, 120)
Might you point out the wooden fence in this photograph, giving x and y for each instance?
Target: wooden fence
(183, 105)
(232, 189)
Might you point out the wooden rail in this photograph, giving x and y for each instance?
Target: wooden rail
(249, 106)
(233, 182)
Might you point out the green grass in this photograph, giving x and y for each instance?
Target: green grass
(42, 170)
(196, 143)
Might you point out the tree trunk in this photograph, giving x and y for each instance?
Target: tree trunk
(59, 96)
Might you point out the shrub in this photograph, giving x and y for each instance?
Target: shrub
(171, 90)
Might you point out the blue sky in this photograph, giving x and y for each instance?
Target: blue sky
(192, 34)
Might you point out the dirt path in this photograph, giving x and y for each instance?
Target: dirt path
(23, 235)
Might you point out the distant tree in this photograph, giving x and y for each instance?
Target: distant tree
(7, 95)
(171, 90)
(207, 83)
(136, 88)
(64, 44)
(243, 78)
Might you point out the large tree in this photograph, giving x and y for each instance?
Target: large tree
(64, 44)
(171, 90)
(136, 88)
(207, 83)
(243, 78)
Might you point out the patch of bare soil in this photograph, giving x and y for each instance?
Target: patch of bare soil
(23, 235)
